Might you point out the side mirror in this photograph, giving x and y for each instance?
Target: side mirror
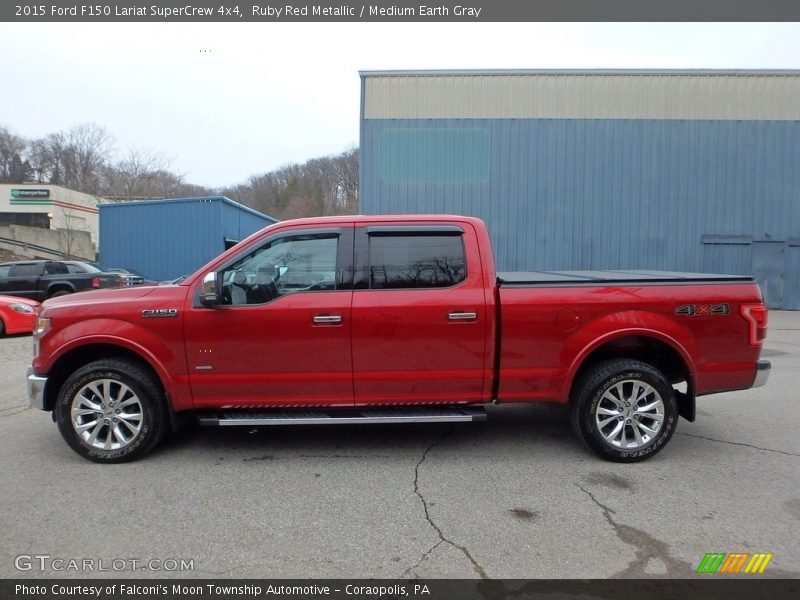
(210, 290)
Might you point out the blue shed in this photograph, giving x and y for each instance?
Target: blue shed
(673, 170)
(164, 239)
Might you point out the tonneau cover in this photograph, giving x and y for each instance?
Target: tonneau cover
(623, 277)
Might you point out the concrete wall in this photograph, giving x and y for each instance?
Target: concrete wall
(34, 242)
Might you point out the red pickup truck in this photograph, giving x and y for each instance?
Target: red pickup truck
(391, 319)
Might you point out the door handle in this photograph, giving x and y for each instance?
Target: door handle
(327, 319)
(462, 316)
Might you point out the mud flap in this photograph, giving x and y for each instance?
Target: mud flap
(686, 405)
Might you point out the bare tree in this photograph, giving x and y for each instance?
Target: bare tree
(46, 155)
(321, 186)
(346, 174)
(13, 169)
(75, 159)
(82, 159)
(140, 175)
(86, 154)
(69, 233)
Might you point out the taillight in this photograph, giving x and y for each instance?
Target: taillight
(756, 316)
(96, 282)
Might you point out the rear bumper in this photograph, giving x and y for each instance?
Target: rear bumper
(763, 368)
(36, 390)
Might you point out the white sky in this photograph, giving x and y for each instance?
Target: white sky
(268, 94)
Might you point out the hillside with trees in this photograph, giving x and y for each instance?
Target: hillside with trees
(85, 159)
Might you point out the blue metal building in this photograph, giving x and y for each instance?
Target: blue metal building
(164, 239)
(675, 170)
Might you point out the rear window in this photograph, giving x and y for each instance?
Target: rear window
(55, 268)
(415, 261)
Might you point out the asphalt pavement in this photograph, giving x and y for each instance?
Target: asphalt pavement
(515, 497)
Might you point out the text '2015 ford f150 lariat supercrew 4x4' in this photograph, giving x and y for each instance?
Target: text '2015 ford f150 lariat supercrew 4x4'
(391, 319)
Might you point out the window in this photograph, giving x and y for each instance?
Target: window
(287, 265)
(415, 261)
(55, 268)
(26, 270)
(4, 269)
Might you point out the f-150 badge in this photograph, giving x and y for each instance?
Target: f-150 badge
(160, 313)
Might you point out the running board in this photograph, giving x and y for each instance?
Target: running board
(448, 414)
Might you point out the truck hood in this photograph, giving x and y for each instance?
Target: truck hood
(110, 296)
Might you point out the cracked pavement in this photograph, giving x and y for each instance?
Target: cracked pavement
(442, 538)
(516, 497)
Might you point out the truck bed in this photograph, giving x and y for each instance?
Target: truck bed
(523, 278)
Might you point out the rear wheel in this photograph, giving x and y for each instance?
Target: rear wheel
(112, 411)
(58, 293)
(624, 410)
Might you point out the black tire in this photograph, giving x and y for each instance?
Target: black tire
(2, 328)
(604, 388)
(58, 293)
(130, 424)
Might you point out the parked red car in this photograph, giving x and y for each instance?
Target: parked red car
(17, 315)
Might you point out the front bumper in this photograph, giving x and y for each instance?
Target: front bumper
(763, 368)
(36, 390)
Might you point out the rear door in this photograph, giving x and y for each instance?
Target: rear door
(419, 320)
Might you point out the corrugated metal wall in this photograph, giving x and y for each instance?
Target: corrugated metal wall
(237, 221)
(583, 95)
(692, 194)
(164, 239)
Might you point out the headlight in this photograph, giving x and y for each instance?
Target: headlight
(22, 308)
(42, 325)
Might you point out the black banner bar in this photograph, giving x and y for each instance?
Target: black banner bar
(398, 11)
(705, 588)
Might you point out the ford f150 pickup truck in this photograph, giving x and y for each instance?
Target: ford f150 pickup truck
(391, 319)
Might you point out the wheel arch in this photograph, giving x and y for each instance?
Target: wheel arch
(61, 286)
(77, 357)
(659, 351)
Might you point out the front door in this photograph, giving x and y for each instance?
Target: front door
(281, 336)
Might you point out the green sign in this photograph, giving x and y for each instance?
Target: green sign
(30, 194)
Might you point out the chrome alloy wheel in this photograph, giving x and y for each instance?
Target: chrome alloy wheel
(106, 414)
(630, 414)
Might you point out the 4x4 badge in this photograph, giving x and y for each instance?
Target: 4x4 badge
(699, 310)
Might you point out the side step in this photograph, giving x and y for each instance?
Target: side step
(448, 414)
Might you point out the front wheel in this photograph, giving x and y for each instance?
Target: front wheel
(624, 410)
(111, 411)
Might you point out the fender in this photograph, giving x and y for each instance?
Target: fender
(169, 362)
(626, 324)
